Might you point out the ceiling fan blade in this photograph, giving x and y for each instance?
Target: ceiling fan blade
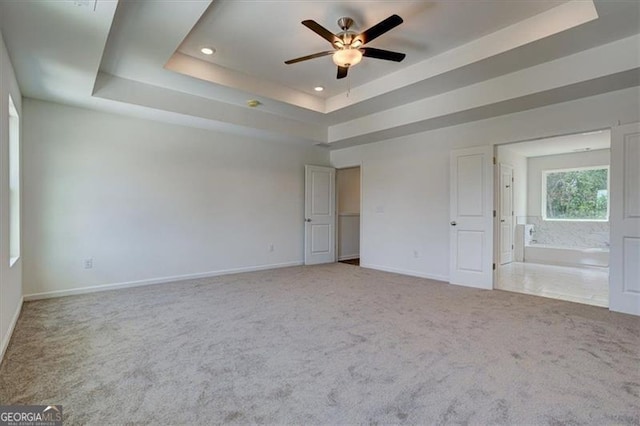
(342, 72)
(387, 55)
(306, 58)
(320, 30)
(380, 28)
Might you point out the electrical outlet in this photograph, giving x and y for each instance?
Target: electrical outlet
(84, 3)
(272, 247)
(88, 263)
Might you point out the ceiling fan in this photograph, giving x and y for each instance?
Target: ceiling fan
(349, 46)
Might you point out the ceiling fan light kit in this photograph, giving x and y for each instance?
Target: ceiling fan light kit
(347, 57)
(349, 46)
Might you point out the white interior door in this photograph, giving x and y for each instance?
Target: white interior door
(506, 214)
(320, 218)
(471, 217)
(624, 273)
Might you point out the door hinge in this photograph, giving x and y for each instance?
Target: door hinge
(494, 266)
(512, 247)
(494, 213)
(494, 160)
(512, 180)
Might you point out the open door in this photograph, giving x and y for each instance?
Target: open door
(506, 214)
(471, 217)
(319, 211)
(624, 218)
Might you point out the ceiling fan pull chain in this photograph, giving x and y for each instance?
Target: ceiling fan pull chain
(348, 86)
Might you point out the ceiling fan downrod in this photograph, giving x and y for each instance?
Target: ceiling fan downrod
(345, 23)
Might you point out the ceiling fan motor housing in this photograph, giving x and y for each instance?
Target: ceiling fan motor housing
(347, 39)
(345, 23)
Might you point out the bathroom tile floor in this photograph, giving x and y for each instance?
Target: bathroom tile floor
(589, 285)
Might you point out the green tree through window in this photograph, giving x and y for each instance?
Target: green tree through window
(577, 194)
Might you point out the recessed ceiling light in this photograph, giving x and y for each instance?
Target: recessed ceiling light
(208, 50)
(318, 88)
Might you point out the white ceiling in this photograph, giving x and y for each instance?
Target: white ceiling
(588, 141)
(256, 40)
(466, 60)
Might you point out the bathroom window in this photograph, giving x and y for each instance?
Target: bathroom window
(580, 194)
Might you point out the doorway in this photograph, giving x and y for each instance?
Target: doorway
(348, 189)
(555, 192)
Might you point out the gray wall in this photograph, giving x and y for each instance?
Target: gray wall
(149, 201)
(405, 183)
(10, 276)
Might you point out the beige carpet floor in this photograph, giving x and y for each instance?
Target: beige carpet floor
(330, 344)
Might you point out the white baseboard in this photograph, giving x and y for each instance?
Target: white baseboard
(12, 325)
(477, 286)
(139, 283)
(349, 257)
(444, 278)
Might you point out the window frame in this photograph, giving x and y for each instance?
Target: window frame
(15, 196)
(543, 192)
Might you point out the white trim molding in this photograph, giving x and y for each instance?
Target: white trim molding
(7, 337)
(151, 281)
(443, 278)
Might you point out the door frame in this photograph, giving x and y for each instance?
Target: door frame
(337, 235)
(496, 219)
(496, 200)
(498, 184)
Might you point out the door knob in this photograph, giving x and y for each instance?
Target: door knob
(453, 223)
(501, 220)
(307, 220)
